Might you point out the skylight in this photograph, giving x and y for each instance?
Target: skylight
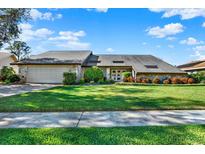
(151, 66)
(118, 61)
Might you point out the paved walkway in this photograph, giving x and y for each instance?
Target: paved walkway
(100, 119)
(9, 90)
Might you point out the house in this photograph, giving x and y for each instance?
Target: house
(194, 66)
(48, 67)
(7, 58)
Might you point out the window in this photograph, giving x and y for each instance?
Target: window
(118, 61)
(151, 66)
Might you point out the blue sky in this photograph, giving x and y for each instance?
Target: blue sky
(174, 35)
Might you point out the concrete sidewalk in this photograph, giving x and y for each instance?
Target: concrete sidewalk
(100, 119)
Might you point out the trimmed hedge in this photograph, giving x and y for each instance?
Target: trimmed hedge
(69, 78)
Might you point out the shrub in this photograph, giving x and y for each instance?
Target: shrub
(92, 82)
(110, 81)
(82, 81)
(202, 82)
(184, 80)
(130, 79)
(93, 74)
(156, 80)
(167, 81)
(127, 77)
(146, 80)
(138, 80)
(6, 72)
(190, 81)
(198, 77)
(127, 74)
(101, 81)
(69, 78)
(13, 78)
(175, 80)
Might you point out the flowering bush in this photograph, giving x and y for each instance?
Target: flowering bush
(156, 80)
(190, 81)
(146, 80)
(138, 80)
(167, 81)
(184, 80)
(175, 80)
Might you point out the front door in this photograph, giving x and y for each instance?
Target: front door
(116, 74)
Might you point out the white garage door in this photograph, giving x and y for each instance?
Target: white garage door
(47, 74)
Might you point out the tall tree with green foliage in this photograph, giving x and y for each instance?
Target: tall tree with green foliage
(20, 49)
(9, 20)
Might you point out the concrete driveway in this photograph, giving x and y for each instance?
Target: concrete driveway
(9, 90)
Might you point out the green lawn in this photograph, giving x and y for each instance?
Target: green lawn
(128, 135)
(107, 97)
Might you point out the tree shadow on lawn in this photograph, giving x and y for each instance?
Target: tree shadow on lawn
(68, 99)
(157, 135)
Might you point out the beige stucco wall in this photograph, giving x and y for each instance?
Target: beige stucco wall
(6, 62)
(47, 73)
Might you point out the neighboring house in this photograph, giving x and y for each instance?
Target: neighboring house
(194, 66)
(48, 67)
(7, 58)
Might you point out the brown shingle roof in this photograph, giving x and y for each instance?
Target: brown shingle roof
(58, 57)
(195, 65)
(138, 62)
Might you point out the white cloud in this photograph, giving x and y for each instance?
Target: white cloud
(203, 24)
(183, 13)
(171, 46)
(29, 34)
(167, 30)
(158, 46)
(144, 43)
(75, 45)
(190, 41)
(171, 38)
(36, 14)
(69, 35)
(70, 40)
(103, 10)
(59, 16)
(110, 50)
(199, 52)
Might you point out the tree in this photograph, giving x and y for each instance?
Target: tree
(9, 20)
(19, 49)
(93, 74)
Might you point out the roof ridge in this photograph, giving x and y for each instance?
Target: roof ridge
(67, 50)
(121, 55)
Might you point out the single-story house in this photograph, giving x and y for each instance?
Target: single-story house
(49, 67)
(7, 58)
(194, 66)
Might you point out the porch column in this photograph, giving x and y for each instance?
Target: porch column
(133, 73)
(108, 73)
(78, 72)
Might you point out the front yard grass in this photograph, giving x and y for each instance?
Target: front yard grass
(107, 98)
(161, 135)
